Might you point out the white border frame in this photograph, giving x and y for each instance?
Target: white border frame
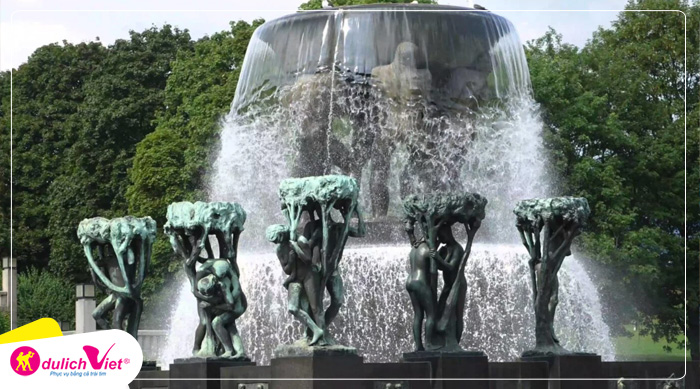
(685, 197)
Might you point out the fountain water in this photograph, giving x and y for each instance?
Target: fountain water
(499, 317)
(405, 98)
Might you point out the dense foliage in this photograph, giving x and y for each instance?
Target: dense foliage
(616, 131)
(4, 164)
(131, 127)
(41, 293)
(4, 317)
(4, 322)
(122, 98)
(47, 93)
(171, 162)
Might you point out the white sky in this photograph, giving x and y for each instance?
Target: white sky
(26, 25)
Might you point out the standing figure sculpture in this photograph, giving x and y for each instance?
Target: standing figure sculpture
(438, 250)
(123, 248)
(215, 282)
(311, 256)
(547, 227)
(303, 278)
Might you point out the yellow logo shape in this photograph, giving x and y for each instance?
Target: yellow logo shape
(39, 329)
(23, 360)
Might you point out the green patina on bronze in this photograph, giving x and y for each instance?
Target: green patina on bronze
(321, 195)
(124, 253)
(432, 209)
(223, 219)
(310, 257)
(535, 212)
(438, 250)
(215, 282)
(304, 194)
(547, 227)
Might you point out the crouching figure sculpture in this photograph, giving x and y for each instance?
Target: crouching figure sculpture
(123, 247)
(215, 282)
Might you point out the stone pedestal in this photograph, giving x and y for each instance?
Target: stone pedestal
(8, 297)
(572, 371)
(299, 366)
(149, 366)
(318, 371)
(329, 371)
(518, 375)
(84, 306)
(455, 370)
(151, 379)
(246, 377)
(405, 375)
(192, 373)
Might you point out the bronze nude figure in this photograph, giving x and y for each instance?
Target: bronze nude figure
(437, 250)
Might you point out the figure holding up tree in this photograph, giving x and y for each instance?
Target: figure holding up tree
(438, 250)
(214, 282)
(547, 228)
(311, 253)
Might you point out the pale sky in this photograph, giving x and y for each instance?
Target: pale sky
(26, 25)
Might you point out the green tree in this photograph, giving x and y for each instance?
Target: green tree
(4, 164)
(615, 124)
(171, 163)
(47, 92)
(4, 322)
(122, 98)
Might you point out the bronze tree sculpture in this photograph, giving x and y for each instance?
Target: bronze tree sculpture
(123, 248)
(215, 282)
(547, 227)
(438, 250)
(312, 255)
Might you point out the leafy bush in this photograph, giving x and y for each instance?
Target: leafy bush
(4, 322)
(43, 294)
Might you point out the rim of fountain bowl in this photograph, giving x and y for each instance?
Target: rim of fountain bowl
(310, 14)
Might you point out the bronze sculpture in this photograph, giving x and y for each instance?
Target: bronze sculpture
(124, 247)
(438, 250)
(215, 282)
(311, 256)
(547, 227)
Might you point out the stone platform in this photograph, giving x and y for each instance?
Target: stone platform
(340, 371)
(201, 373)
(571, 371)
(351, 372)
(453, 370)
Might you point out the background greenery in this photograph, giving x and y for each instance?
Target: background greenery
(4, 322)
(129, 128)
(616, 132)
(639, 347)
